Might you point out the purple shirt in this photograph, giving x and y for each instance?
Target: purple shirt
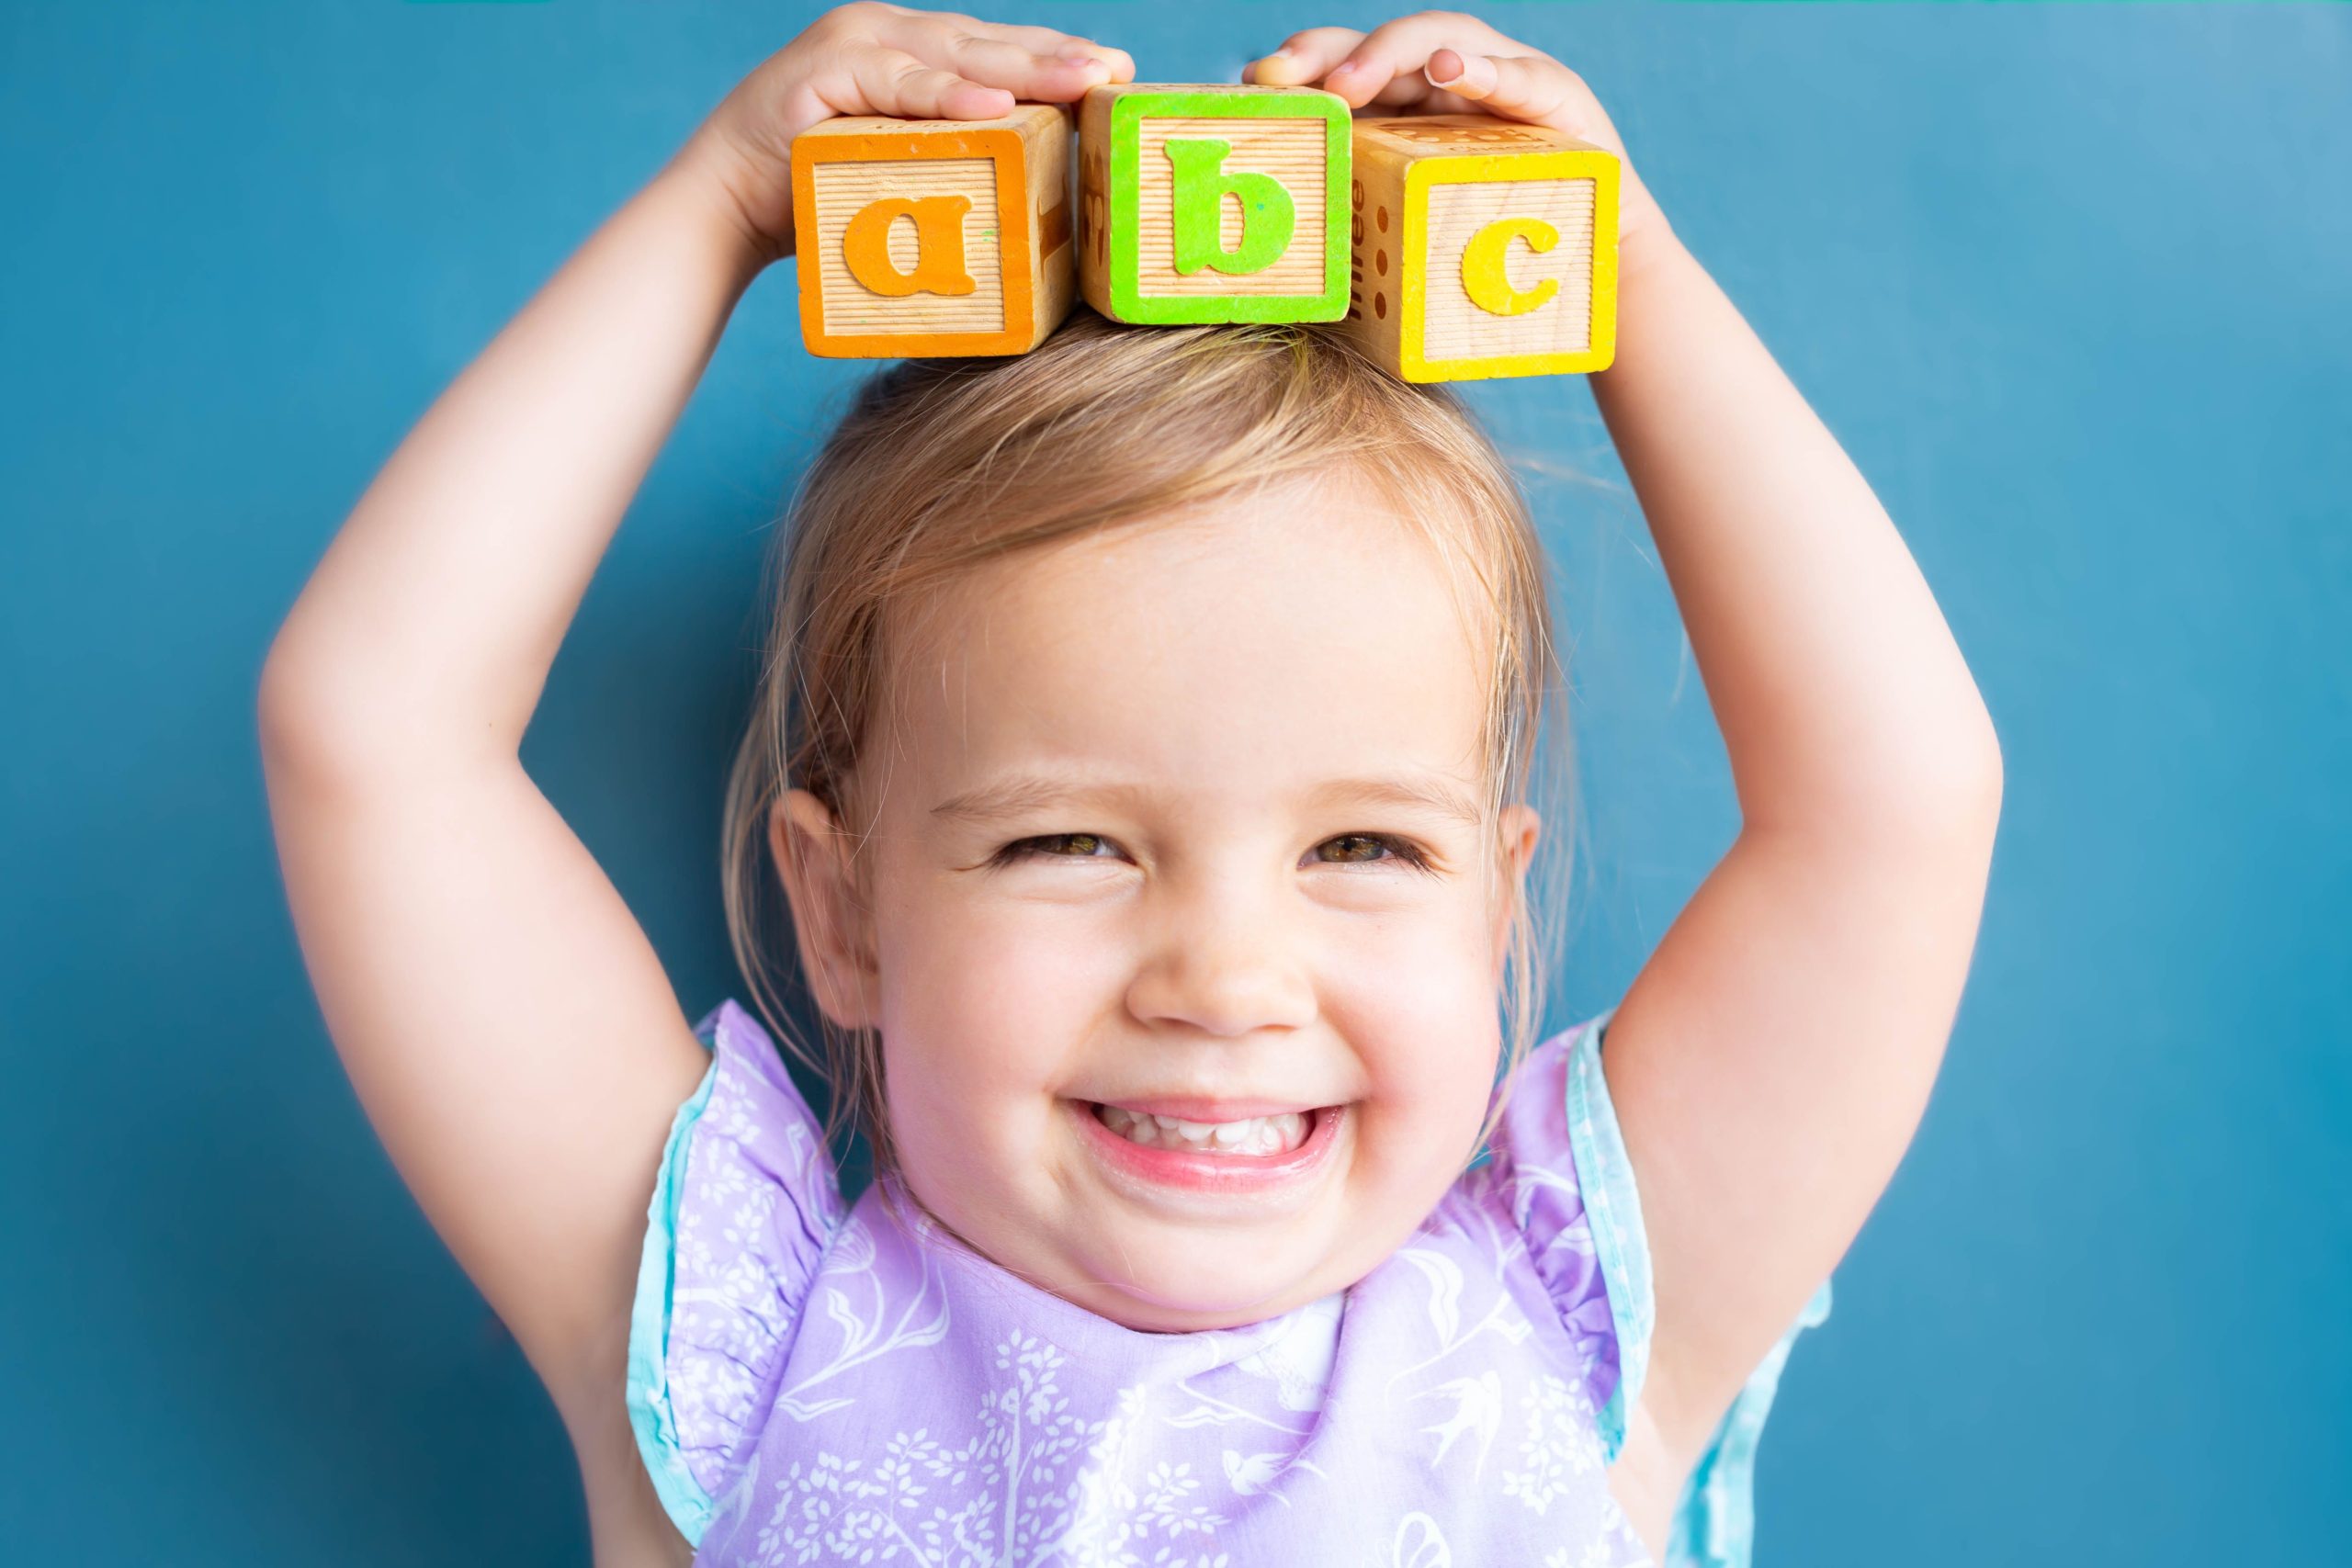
(811, 1383)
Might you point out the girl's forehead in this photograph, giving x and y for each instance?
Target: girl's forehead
(1305, 634)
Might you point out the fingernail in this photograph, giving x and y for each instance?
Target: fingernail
(1074, 49)
(1347, 69)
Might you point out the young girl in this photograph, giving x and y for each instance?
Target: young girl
(1144, 749)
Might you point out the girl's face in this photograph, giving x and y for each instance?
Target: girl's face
(1185, 813)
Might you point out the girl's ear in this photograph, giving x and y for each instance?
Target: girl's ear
(1522, 829)
(829, 914)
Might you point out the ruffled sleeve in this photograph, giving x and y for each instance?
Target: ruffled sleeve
(745, 1201)
(1576, 1206)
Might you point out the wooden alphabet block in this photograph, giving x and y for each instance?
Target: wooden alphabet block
(919, 238)
(1207, 203)
(1483, 247)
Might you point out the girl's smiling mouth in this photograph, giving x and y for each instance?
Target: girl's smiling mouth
(1252, 1157)
(1256, 1134)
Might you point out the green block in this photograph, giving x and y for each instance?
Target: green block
(1202, 173)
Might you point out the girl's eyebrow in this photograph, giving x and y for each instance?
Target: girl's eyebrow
(1024, 795)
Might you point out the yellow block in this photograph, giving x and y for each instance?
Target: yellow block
(1481, 248)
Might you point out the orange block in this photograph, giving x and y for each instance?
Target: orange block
(921, 238)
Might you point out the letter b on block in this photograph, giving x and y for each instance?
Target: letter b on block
(1214, 204)
(1198, 188)
(932, 237)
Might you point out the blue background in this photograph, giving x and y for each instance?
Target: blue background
(2074, 285)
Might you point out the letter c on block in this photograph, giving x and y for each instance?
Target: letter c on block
(1483, 277)
(939, 246)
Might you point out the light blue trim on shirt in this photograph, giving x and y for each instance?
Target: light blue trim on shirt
(1714, 1523)
(1605, 1178)
(650, 1415)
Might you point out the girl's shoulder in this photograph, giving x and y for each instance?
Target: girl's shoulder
(1556, 1167)
(745, 1201)
(1561, 1169)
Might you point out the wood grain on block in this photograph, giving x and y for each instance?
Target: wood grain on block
(1212, 203)
(1453, 326)
(933, 237)
(1481, 248)
(1291, 150)
(851, 309)
(1376, 274)
(1416, 135)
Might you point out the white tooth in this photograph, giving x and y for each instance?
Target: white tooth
(1257, 1135)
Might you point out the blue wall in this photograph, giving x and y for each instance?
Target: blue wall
(2075, 285)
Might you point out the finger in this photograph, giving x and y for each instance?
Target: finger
(1303, 58)
(985, 54)
(1122, 64)
(1036, 39)
(1039, 78)
(1406, 90)
(1403, 47)
(1539, 91)
(892, 81)
(1049, 43)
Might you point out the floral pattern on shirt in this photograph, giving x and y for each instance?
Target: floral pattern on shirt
(852, 1386)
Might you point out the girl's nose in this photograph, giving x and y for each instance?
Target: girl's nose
(1226, 969)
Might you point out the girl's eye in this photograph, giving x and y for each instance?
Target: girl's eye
(1364, 848)
(1355, 849)
(1055, 846)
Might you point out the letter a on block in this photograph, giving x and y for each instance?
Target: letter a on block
(1483, 247)
(939, 246)
(932, 237)
(1214, 203)
(1199, 187)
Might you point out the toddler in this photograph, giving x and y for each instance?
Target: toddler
(1144, 757)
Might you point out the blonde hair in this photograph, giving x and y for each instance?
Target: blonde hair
(943, 465)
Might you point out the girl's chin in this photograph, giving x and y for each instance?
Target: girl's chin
(1183, 1243)
(1193, 1285)
(1191, 1317)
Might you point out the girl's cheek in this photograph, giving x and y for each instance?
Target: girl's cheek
(1006, 991)
(1418, 1012)
(1004, 996)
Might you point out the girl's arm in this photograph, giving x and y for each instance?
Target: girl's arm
(505, 1023)
(1774, 1055)
(1772, 1059)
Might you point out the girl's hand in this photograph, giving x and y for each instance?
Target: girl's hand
(1445, 62)
(872, 57)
